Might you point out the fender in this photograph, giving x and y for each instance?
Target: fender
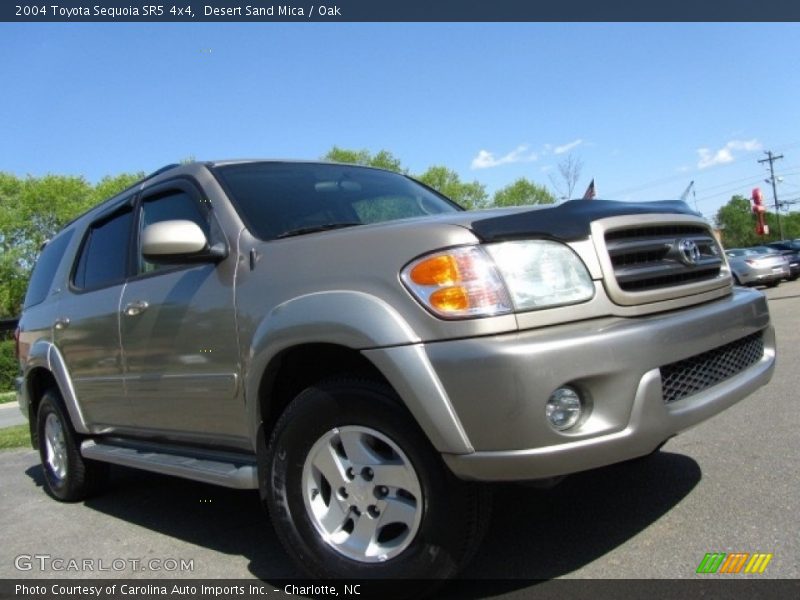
(44, 354)
(361, 322)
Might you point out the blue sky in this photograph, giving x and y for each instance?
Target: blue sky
(646, 107)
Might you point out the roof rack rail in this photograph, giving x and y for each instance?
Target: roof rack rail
(159, 171)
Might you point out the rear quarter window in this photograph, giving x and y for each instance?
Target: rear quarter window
(45, 269)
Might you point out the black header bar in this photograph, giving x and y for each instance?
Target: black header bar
(332, 11)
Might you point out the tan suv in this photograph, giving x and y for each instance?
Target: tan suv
(365, 353)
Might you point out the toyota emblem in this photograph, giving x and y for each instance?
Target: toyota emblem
(688, 252)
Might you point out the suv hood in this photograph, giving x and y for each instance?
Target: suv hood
(569, 221)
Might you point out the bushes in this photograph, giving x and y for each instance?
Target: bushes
(9, 367)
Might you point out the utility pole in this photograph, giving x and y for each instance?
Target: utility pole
(771, 158)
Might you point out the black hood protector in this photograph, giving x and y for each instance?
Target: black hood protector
(569, 221)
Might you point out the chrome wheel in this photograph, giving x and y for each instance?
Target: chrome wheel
(55, 446)
(362, 494)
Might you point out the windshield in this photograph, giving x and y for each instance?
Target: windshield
(278, 200)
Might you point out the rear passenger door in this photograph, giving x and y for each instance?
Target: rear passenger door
(86, 329)
(179, 332)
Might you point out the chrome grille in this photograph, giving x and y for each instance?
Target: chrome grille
(694, 374)
(649, 258)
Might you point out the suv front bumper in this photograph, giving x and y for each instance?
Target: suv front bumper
(499, 385)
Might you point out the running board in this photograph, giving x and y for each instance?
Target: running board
(228, 473)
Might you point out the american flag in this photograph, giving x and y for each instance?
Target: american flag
(590, 192)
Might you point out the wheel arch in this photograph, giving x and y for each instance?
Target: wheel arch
(45, 369)
(296, 368)
(344, 332)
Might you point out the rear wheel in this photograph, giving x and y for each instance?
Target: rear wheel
(355, 489)
(67, 475)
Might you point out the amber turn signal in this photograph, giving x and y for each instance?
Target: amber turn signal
(437, 270)
(457, 283)
(450, 299)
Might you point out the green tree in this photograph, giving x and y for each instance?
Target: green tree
(36, 209)
(33, 210)
(523, 192)
(791, 225)
(383, 159)
(111, 185)
(470, 195)
(9, 366)
(737, 223)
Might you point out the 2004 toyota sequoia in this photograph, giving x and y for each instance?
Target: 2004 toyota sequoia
(365, 353)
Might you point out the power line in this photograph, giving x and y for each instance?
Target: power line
(738, 185)
(771, 158)
(679, 176)
(730, 190)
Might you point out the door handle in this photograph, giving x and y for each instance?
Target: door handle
(135, 308)
(61, 323)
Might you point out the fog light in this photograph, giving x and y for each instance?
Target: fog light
(564, 408)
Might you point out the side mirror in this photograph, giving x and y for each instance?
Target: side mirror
(172, 242)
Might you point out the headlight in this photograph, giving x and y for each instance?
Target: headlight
(458, 283)
(495, 279)
(541, 273)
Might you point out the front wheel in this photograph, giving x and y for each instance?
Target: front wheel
(355, 489)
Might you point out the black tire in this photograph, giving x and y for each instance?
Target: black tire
(80, 478)
(454, 513)
(773, 284)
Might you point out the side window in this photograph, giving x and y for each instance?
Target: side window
(45, 269)
(104, 255)
(169, 206)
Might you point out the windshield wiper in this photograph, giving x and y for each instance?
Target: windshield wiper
(316, 228)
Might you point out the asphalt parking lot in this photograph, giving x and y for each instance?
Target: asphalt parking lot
(729, 485)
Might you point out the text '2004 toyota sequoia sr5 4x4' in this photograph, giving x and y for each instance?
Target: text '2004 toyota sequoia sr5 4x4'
(366, 353)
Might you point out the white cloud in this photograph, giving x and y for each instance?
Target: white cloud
(568, 147)
(748, 145)
(522, 153)
(709, 158)
(486, 159)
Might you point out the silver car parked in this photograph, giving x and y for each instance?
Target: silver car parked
(757, 266)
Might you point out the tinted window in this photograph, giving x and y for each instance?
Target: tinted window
(45, 269)
(175, 205)
(279, 198)
(104, 256)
